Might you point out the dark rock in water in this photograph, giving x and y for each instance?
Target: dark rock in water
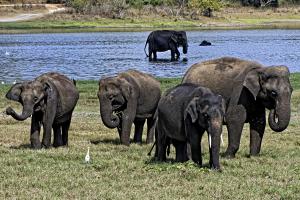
(205, 43)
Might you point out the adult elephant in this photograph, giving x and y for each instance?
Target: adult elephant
(248, 88)
(184, 113)
(50, 100)
(130, 97)
(164, 40)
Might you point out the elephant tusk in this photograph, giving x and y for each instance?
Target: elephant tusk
(209, 140)
(222, 141)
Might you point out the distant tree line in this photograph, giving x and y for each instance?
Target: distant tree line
(118, 8)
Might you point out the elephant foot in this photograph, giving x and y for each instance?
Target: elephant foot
(57, 144)
(36, 146)
(228, 155)
(45, 146)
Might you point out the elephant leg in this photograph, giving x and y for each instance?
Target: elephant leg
(177, 54)
(57, 141)
(47, 125)
(195, 143)
(150, 130)
(35, 131)
(235, 118)
(257, 129)
(161, 144)
(181, 151)
(138, 132)
(154, 55)
(173, 55)
(65, 132)
(127, 121)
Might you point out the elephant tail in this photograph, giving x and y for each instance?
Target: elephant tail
(74, 81)
(149, 153)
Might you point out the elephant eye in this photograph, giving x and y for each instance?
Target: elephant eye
(273, 93)
(205, 115)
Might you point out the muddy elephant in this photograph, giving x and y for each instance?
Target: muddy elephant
(50, 100)
(164, 40)
(184, 113)
(248, 88)
(130, 97)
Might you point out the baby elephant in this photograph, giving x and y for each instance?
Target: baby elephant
(130, 97)
(50, 100)
(184, 114)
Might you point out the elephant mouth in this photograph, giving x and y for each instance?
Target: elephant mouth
(117, 106)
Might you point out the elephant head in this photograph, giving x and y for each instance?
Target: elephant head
(272, 87)
(180, 38)
(30, 95)
(207, 111)
(113, 95)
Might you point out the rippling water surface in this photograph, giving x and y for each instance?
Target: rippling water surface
(88, 56)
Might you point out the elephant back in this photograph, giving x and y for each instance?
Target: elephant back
(67, 91)
(222, 76)
(148, 89)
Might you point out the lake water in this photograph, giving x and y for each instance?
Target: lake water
(89, 56)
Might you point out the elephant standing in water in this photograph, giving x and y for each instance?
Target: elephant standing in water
(248, 88)
(184, 113)
(159, 41)
(50, 100)
(130, 97)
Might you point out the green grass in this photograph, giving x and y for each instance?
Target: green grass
(120, 172)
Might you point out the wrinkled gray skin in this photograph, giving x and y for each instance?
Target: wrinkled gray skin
(50, 100)
(159, 41)
(184, 113)
(248, 88)
(130, 97)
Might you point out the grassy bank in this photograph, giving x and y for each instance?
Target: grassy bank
(119, 172)
(227, 18)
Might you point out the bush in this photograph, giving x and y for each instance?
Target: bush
(206, 6)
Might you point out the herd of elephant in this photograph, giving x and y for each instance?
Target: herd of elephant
(224, 91)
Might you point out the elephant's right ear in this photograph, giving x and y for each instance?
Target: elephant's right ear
(191, 110)
(14, 92)
(252, 82)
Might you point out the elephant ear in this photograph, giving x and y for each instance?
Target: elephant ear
(14, 92)
(174, 39)
(223, 103)
(252, 81)
(126, 89)
(191, 110)
(48, 89)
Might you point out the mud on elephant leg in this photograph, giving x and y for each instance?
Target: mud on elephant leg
(57, 141)
(235, 118)
(138, 133)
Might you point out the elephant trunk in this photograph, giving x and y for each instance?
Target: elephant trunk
(109, 119)
(26, 112)
(279, 117)
(214, 133)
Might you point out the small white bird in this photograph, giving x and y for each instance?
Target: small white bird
(14, 82)
(2, 82)
(7, 53)
(87, 156)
